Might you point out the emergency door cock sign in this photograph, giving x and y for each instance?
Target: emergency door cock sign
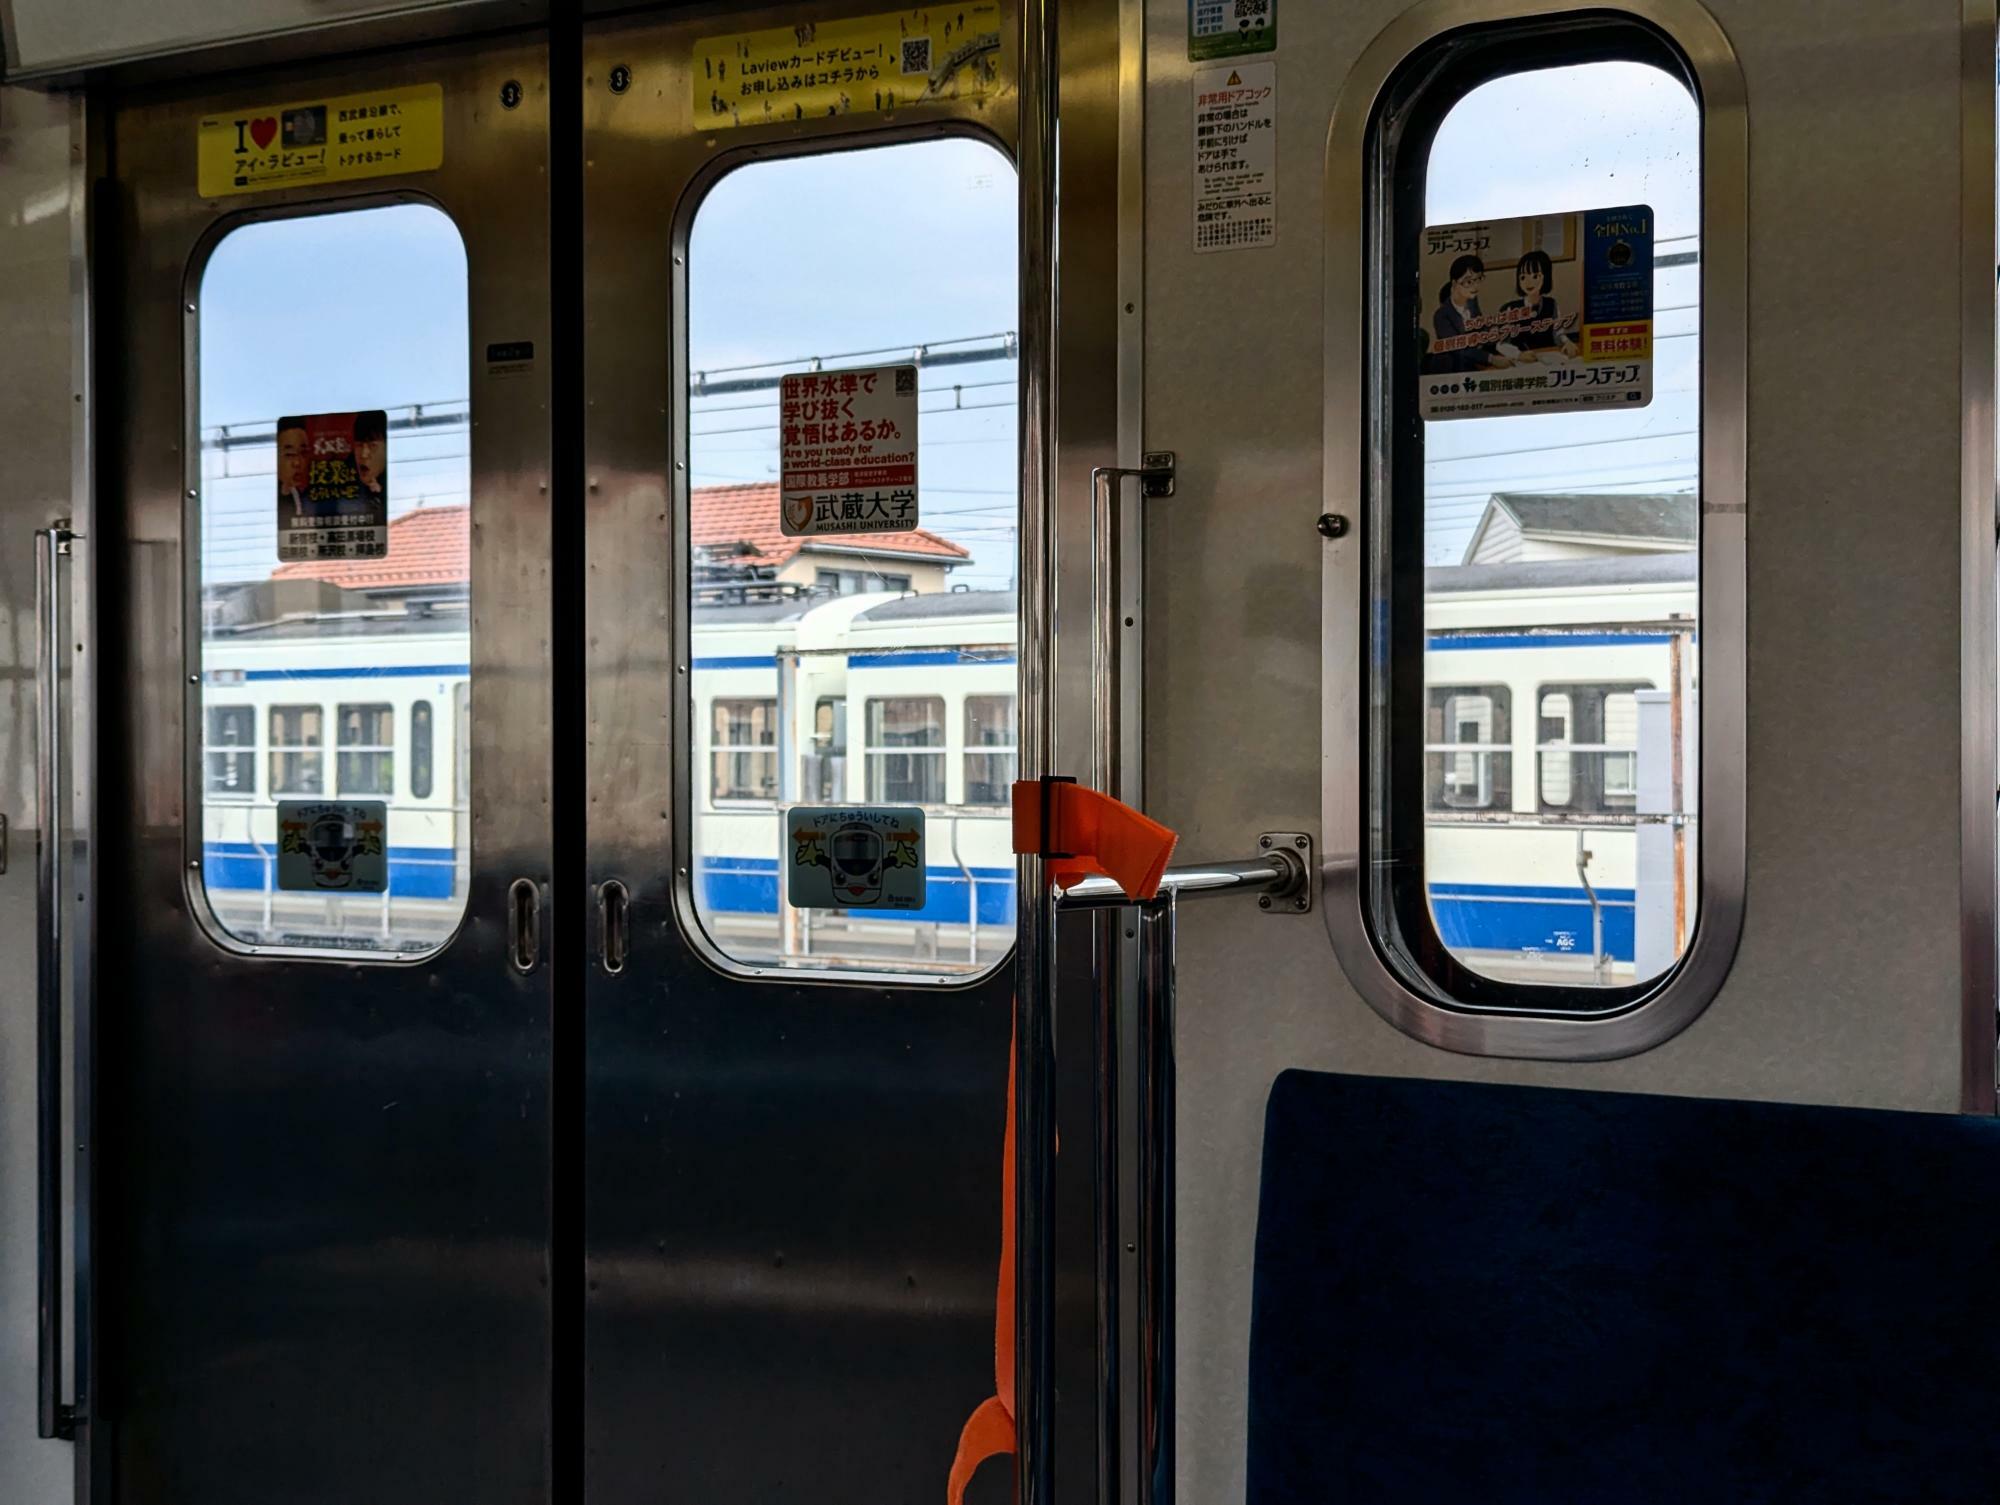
(848, 442)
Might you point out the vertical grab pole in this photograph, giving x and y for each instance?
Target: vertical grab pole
(1034, 1001)
(1155, 1280)
(53, 1418)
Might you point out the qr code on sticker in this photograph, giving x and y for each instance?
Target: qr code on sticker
(906, 380)
(916, 55)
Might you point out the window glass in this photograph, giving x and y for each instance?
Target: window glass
(367, 749)
(303, 340)
(1547, 558)
(1468, 751)
(744, 750)
(297, 765)
(989, 749)
(905, 624)
(420, 750)
(906, 751)
(825, 774)
(231, 752)
(1587, 744)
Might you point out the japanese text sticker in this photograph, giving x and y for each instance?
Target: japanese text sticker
(861, 65)
(1548, 314)
(1230, 28)
(332, 140)
(1235, 157)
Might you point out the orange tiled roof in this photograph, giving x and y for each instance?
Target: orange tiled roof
(431, 546)
(724, 515)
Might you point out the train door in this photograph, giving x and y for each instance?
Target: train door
(1496, 462)
(321, 542)
(804, 694)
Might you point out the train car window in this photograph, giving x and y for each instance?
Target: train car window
(824, 777)
(231, 751)
(906, 762)
(810, 587)
(743, 750)
(297, 764)
(420, 750)
(990, 748)
(1587, 747)
(330, 434)
(1535, 532)
(367, 749)
(1468, 748)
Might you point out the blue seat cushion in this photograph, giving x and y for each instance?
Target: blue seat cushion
(1488, 1294)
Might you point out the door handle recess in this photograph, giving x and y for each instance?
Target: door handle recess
(524, 924)
(53, 1417)
(614, 908)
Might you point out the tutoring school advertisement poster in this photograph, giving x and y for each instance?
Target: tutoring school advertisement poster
(1543, 314)
(333, 486)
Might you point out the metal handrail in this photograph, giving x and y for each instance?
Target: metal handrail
(53, 1418)
(1278, 872)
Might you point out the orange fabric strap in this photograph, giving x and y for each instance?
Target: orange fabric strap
(1082, 832)
(1085, 832)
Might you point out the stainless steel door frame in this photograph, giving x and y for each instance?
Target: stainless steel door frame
(321, 1247)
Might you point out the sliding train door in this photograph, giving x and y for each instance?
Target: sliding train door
(804, 690)
(321, 547)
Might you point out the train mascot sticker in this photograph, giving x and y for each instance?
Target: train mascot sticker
(856, 859)
(332, 848)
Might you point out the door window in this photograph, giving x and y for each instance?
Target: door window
(330, 512)
(850, 588)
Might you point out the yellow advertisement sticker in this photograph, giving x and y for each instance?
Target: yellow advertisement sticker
(868, 64)
(375, 134)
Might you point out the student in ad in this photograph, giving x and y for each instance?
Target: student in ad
(1457, 314)
(1533, 305)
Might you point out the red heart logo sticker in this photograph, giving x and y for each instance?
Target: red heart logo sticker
(261, 131)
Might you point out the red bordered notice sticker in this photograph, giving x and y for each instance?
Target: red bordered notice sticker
(848, 451)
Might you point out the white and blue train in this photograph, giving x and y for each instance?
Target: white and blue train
(1538, 679)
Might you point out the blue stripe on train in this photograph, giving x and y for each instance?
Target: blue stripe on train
(749, 885)
(357, 671)
(414, 872)
(1522, 917)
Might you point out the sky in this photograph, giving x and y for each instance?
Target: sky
(891, 247)
(911, 244)
(1597, 136)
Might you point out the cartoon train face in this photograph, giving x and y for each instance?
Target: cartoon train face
(333, 841)
(858, 855)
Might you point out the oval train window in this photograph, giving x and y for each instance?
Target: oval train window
(1535, 522)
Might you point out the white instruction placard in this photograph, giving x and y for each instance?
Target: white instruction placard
(865, 857)
(848, 451)
(1235, 156)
